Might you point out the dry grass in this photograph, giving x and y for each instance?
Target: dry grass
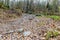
(5, 14)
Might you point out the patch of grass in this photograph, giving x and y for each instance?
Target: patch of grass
(54, 17)
(55, 33)
(51, 34)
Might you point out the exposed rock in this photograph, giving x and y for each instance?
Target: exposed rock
(58, 37)
(26, 33)
(52, 39)
(58, 27)
(0, 37)
(20, 30)
(42, 38)
(11, 31)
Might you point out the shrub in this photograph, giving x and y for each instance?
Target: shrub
(1, 4)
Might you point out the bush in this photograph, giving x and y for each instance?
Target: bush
(4, 6)
(1, 4)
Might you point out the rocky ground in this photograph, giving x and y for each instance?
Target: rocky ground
(28, 27)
